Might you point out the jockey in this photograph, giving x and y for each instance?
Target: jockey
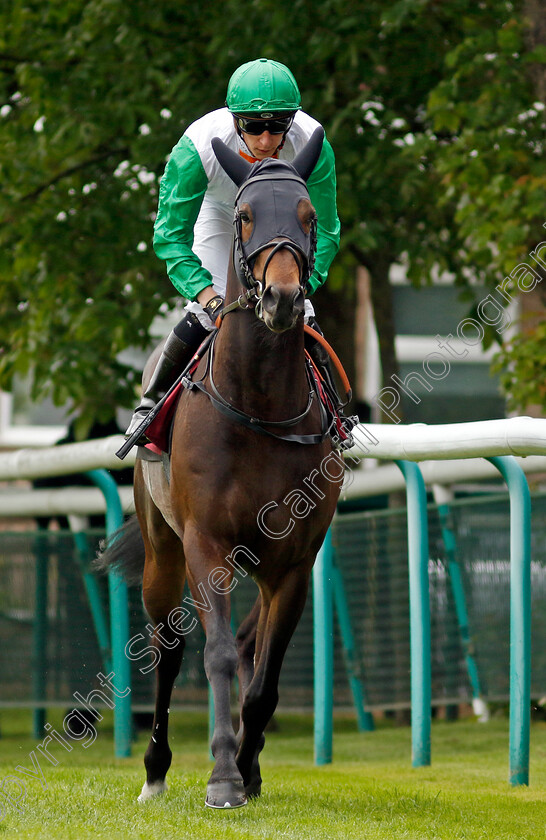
(193, 230)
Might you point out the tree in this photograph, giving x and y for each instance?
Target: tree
(490, 128)
(94, 95)
(490, 115)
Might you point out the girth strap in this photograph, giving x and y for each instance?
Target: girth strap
(255, 423)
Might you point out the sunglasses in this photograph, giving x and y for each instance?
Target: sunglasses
(277, 125)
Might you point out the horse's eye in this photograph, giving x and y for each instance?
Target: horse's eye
(244, 217)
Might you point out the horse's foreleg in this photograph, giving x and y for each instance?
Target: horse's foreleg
(210, 584)
(246, 639)
(275, 631)
(246, 647)
(162, 592)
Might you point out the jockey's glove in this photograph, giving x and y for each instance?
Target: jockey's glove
(213, 307)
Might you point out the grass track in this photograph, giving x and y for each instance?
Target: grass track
(370, 791)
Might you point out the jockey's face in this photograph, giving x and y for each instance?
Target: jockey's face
(263, 145)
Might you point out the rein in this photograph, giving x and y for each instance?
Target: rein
(334, 357)
(243, 302)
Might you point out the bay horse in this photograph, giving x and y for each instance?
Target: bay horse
(243, 496)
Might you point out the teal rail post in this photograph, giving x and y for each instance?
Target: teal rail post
(323, 634)
(457, 588)
(364, 719)
(39, 633)
(520, 616)
(119, 621)
(419, 612)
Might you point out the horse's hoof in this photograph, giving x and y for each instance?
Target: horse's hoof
(225, 795)
(254, 789)
(149, 791)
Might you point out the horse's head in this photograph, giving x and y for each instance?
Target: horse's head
(275, 230)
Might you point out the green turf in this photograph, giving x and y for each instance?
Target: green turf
(370, 791)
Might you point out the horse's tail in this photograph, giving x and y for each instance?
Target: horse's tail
(123, 552)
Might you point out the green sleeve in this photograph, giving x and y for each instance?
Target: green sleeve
(181, 192)
(322, 191)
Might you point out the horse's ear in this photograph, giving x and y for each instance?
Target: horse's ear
(232, 163)
(306, 160)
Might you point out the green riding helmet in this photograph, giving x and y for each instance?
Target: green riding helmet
(263, 87)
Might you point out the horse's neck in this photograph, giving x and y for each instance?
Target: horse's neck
(258, 371)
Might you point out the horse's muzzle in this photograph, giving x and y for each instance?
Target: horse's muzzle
(281, 308)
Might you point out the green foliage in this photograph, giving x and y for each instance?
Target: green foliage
(488, 144)
(488, 120)
(521, 364)
(93, 100)
(429, 107)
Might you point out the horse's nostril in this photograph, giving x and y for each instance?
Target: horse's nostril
(299, 299)
(271, 298)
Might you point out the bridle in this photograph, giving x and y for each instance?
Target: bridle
(300, 244)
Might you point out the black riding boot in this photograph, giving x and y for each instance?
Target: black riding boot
(179, 347)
